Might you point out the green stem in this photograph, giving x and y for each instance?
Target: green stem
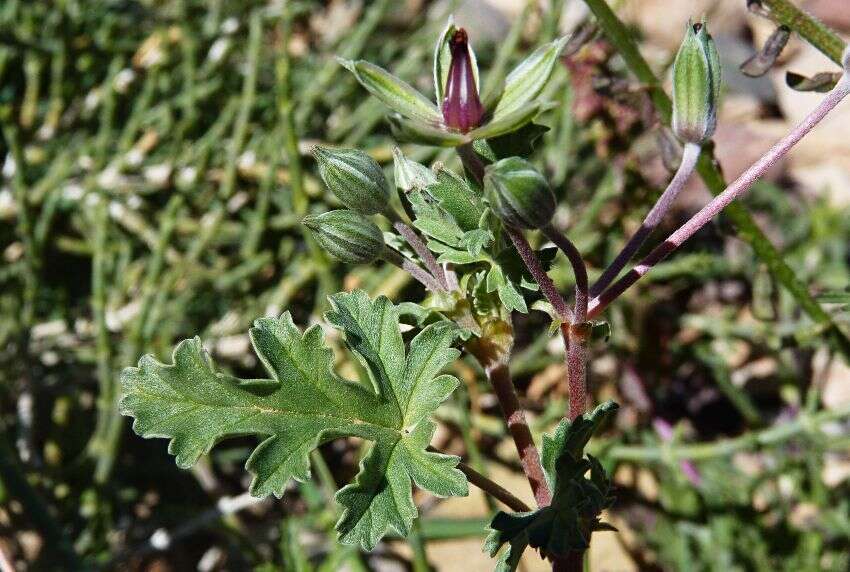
(417, 544)
(808, 27)
(709, 171)
(803, 424)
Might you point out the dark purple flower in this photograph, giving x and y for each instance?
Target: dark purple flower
(462, 109)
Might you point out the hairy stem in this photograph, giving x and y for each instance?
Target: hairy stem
(417, 272)
(579, 270)
(533, 264)
(575, 333)
(421, 250)
(500, 378)
(652, 220)
(748, 231)
(721, 201)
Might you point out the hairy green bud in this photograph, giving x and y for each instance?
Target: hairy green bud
(696, 86)
(347, 235)
(518, 193)
(355, 178)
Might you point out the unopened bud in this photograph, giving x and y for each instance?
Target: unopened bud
(696, 86)
(347, 235)
(518, 193)
(462, 108)
(355, 178)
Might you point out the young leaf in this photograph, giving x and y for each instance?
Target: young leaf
(305, 404)
(460, 201)
(409, 174)
(577, 500)
(526, 81)
(396, 94)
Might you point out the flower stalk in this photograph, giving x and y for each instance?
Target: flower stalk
(690, 156)
(741, 185)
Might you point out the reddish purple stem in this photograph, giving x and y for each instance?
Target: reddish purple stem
(741, 185)
(656, 214)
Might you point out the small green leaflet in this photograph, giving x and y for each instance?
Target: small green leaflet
(577, 501)
(305, 404)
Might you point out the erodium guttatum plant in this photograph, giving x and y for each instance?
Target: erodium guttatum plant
(463, 236)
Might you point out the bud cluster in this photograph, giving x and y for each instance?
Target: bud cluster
(358, 181)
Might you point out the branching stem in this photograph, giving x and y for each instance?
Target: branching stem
(741, 185)
(533, 264)
(418, 246)
(575, 333)
(656, 214)
(415, 271)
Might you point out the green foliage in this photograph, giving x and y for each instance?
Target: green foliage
(305, 404)
(577, 501)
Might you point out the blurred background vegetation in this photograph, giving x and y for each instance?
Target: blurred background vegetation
(155, 167)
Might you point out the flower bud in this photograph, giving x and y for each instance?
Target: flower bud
(347, 235)
(696, 86)
(462, 108)
(518, 193)
(355, 178)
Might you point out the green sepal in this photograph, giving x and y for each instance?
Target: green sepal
(355, 178)
(508, 122)
(443, 60)
(395, 93)
(518, 194)
(696, 86)
(527, 80)
(346, 235)
(405, 130)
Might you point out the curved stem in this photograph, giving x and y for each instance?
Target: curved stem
(533, 264)
(421, 250)
(656, 214)
(747, 229)
(732, 192)
(417, 272)
(579, 270)
(500, 378)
